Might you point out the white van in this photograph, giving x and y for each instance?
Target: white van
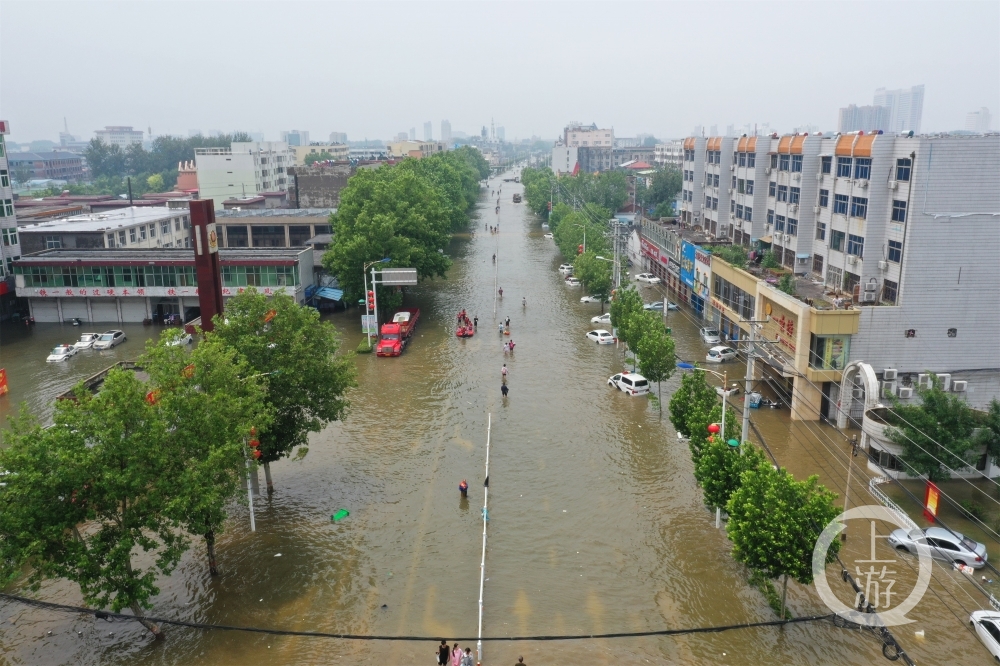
(631, 383)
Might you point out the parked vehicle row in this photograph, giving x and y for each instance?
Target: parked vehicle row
(106, 340)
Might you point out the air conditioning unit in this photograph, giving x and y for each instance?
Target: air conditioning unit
(923, 380)
(868, 297)
(767, 171)
(888, 389)
(883, 265)
(959, 386)
(794, 208)
(945, 380)
(730, 190)
(863, 184)
(732, 216)
(796, 177)
(905, 392)
(732, 167)
(816, 210)
(819, 176)
(889, 374)
(851, 259)
(703, 184)
(893, 185)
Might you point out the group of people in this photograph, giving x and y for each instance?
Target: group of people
(496, 229)
(454, 656)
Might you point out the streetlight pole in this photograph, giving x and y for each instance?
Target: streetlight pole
(364, 276)
(584, 227)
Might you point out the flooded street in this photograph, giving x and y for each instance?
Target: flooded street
(596, 522)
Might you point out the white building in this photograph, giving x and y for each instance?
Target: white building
(428, 131)
(122, 136)
(446, 132)
(906, 107)
(577, 135)
(295, 138)
(671, 152)
(337, 151)
(693, 180)
(11, 248)
(131, 227)
(978, 121)
(338, 137)
(245, 169)
(866, 118)
(564, 159)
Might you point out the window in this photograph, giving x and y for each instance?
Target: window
(184, 221)
(826, 163)
(732, 205)
(53, 242)
(770, 217)
(797, 163)
(715, 204)
(859, 207)
(177, 224)
(715, 180)
(818, 264)
(840, 204)
(751, 160)
(774, 161)
(793, 227)
(895, 251)
(152, 231)
(890, 291)
(833, 277)
(749, 187)
(783, 163)
(741, 186)
(142, 232)
(131, 234)
(8, 208)
(793, 195)
(829, 352)
(748, 214)
(4, 178)
(708, 201)
(837, 240)
(856, 245)
(734, 183)
(779, 223)
(843, 167)
(111, 240)
(782, 193)
(824, 198)
(10, 236)
(862, 168)
(820, 231)
(903, 169)
(898, 211)
(739, 212)
(742, 159)
(165, 227)
(770, 188)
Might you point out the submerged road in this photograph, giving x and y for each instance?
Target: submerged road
(596, 523)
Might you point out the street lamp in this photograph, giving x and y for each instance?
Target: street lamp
(584, 227)
(373, 304)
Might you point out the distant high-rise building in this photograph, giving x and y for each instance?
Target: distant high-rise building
(978, 121)
(501, 134)
(256, 136)
(122, 136)
(806, 129)
(867, 118)
(413, 134)
(714, 131)
(295, 138)
(445, 132)
(698, 130)
(428, 131)
(730, 130)
(338, 137)
(906, 107)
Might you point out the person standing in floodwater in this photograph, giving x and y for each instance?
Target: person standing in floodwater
(463, 488)
(456, 656)
(504, 389)
(475, 322)
(443, 653)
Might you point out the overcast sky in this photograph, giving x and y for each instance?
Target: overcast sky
(373, 69)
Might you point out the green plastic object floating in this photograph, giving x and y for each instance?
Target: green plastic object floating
(340, 515)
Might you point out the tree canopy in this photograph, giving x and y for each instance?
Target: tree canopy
(594, 274)
(663, 187)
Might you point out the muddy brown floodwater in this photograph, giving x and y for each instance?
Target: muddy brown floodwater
(596, 523)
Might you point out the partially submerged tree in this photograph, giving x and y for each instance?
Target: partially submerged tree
(657, 358)
(307, 381)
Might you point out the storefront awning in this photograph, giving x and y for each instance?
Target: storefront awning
(766, 239)
(330, 293)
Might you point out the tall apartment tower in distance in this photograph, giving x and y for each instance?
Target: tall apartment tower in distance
(428, 131)
(295, 138)
(501, 134)
(338, 137)
(853, 118)
(905, 106)
(978, 121)
(446, 133)
(413, 134)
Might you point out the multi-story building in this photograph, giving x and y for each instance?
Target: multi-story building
(906, 107)
(428, 131)
(446, 133)
(669, 153)
(717, 190)
(749, 167)
(135, 285)
(11, 247)
(338, 137)
(54, 165)
(866, 118)
(978, 121)
(623, 155)
(130, 227)
(577, 135)
(693, 180)
(122, 136)
(337, 151)
(295, 138)
(416, 149)
(565, 159)
(593, 159)
(789, 221)
(242, 170)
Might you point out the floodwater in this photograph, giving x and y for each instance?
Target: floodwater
(596, 523)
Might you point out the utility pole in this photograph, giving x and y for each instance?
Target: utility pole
(748, 380)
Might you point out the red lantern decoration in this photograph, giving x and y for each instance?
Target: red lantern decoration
(256, 454)
(254, 443)
(713, 428)
(271, 314)
(711, 438)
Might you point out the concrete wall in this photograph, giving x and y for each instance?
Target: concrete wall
(317, 187)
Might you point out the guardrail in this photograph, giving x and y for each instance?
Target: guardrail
(876, 492)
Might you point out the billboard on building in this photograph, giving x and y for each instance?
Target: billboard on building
(687, 263)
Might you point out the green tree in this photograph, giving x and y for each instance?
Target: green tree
(692, 404)
(155, 182)
(989, 435)
(774, 522)
(787, 284)
(734, 255)
(85, 495)
(663, 187)
(771, 260)
(720, 468)
(626, 305)
(595, 274)
(306, 379)
(588, 224)
(538, 185)
(936, 434)
(656, 357)
(210, 399)
(664, 209)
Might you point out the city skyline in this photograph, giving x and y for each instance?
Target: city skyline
(952, 87)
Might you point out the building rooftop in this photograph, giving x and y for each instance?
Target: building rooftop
(139, 256)
(276, 212)
(43, 156)
(112, 219)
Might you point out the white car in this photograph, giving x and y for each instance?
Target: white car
(648, 278)
(601, 319)
(183, 339)
(629, 382)
(710, 336)
(86, 341)
(61, 353)
(601, 337)
(566, 269)
(590, 299)
(572, 282)
(986, 624)
(549, 236)
(720, 354)
(109, 339)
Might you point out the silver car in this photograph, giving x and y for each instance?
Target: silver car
(109, 339)
(944, 545)
(710, 336)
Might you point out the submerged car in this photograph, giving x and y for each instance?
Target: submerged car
(710, 336)
(720, 354)
(549, 236)
(629, 382)
(590, 299)
(943, 544)
(655, 305)
(572, 282)
(648, 278)
(986, 624)
(109, 339)
(61, 353)
(601, 337)
(86, 340)
(566, 269)
(601, 319)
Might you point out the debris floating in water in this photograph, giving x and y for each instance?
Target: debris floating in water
(277, 554)
(340, 515)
